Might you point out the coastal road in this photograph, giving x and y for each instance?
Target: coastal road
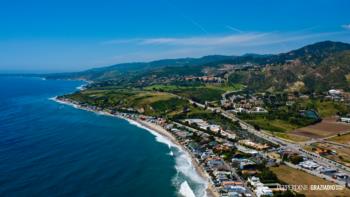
(294, 147)
(286, 144)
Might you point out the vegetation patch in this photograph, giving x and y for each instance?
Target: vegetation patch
(150, 103)
(199, 93)
(291, 137)
(342, 139)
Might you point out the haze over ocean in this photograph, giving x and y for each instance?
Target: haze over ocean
(50, 149)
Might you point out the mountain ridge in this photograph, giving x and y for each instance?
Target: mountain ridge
(310, 68)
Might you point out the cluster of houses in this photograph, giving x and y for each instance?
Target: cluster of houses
(259, 188)
(243, 104)
(205, 79)
(334, 94)
(228, 174)
(222, 172)
(338, 95)
(313, 167)
(207, 153)
(255, 103)
(202, 124)
(254, 145)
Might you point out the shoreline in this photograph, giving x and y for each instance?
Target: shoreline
(210, 190)
(160, 130)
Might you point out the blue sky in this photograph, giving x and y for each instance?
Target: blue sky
(54, 36)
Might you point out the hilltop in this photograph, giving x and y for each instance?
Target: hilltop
(316, 67)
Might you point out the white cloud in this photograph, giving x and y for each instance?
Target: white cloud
(234, 29)
(346, 26)
(241, 39)
(194, 41)
(146, 49)
(207, 40)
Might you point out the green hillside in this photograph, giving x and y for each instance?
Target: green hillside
(317, 67)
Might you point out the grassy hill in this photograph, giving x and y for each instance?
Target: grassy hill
(146, 102)
(139, 68)
(317, 67)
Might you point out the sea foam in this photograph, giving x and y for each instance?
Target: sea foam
(82, 87)
(186, 171)
(183, 162)
(185, 190)
(183, 165)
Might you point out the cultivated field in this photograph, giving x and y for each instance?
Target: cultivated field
(297, 177)
(328, 127)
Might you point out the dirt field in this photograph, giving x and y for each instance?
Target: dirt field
(343, 139)
(297, 177)
(292, 137)
(328, 127)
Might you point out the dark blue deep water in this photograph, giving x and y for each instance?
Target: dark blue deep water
(50, 149)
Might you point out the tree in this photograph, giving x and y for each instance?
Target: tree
(295, 159)
(267, 176)
(256, 127)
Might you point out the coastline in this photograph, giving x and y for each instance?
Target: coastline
(210, 190)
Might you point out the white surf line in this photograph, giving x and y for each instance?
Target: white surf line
(183, 162)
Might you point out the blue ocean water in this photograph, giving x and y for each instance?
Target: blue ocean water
(51, 149)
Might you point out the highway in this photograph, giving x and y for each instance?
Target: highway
(284, 143)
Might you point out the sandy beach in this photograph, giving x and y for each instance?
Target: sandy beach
(210, 190)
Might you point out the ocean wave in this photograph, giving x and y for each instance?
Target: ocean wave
(82, 87)
(185, 190)
(63, 102)
(159, 138)
(183, 165)
(183, 161)
(186, 170)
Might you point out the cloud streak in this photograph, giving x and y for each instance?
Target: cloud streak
(346, 26)
(192, 41)
(241, 39)
(147, 49)
(205, 40)
(234, 29)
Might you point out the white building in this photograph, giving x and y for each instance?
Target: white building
(345, 119)
(246, 150)
(259, 110)
(214, 128)
(263, 191)
(310, 165)
(254, 182)
(334, 92)
(228, 135)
